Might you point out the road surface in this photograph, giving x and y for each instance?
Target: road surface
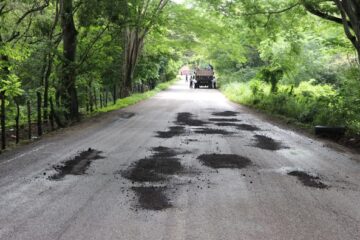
(186, 164)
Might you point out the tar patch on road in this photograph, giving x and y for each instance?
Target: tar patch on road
(268, 143)
(185, 118)
(225, 114)
(172, 132)
(155, 168)
(226, 124)
(77, 165)
(152, 198)
(212, 131)
(126, 115)
(224, 161)
(247, 127)
(308, 180)
(224, 120)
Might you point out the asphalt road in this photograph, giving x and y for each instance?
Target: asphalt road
(178, 166)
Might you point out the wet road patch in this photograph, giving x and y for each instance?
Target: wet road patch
(225, 114)
(76, 166)
(126, 115)
(212, 131)
(224, 161)
(172, 132)
(156, 168)
(308, 180)
(268, 143)
(247, 127)
(152, 198)
(186, 118)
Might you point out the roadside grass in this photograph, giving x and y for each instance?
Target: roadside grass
(135, 98)
(304, 106)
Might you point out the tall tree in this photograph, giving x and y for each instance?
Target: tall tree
(349, 11)
(69, 92)
(142, 16)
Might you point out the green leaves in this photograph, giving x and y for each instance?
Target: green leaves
(11, 85)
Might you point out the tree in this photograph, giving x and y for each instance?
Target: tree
(349, 11)
(142, 16)
(69, 92)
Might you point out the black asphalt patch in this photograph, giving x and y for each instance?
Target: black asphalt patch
(224, 120)
(126, 115)
(247, 127)
(155, 168)
(185, 118)
(212, 131)
(224, 161)
(226, 124)
(225, 114)
(152, 198)
(76, 166)
(268, 143)
(308, 180)
(172, 132)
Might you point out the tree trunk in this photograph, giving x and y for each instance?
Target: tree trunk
(29, 119)
(350, 15)
(39, 115)
(3, 120)
(106, 96)
(95, 99)
(101, 100)
(69, 93)
(133, 44)
(114, 94)
(46, 78)
(52, 113)
(17, 118)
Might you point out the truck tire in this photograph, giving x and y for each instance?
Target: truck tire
(330, 131)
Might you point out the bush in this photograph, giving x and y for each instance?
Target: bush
(308, 103)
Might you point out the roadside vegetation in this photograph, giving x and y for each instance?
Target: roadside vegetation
(62, 60)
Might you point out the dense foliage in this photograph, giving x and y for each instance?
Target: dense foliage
(62, 59)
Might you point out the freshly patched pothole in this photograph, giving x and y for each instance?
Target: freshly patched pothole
(308, 180)
(224, 161)
(225, 114)
(76, 166)
(152, 198)
(268, 143)
(155, 168)
(172, 132)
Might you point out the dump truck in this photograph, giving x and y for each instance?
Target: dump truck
(203, 77)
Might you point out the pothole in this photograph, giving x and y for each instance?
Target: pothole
(212, 131)
(225, 114)
(155, 168)
(76, 166)
(152, 198)
(172, 132)
(308, 180)
(247, 127)
(186, 118)
(126, 115)
(268, 143)
(224, 120)
(224, 161)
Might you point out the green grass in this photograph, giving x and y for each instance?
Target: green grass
(305, 105)
(135, 98)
